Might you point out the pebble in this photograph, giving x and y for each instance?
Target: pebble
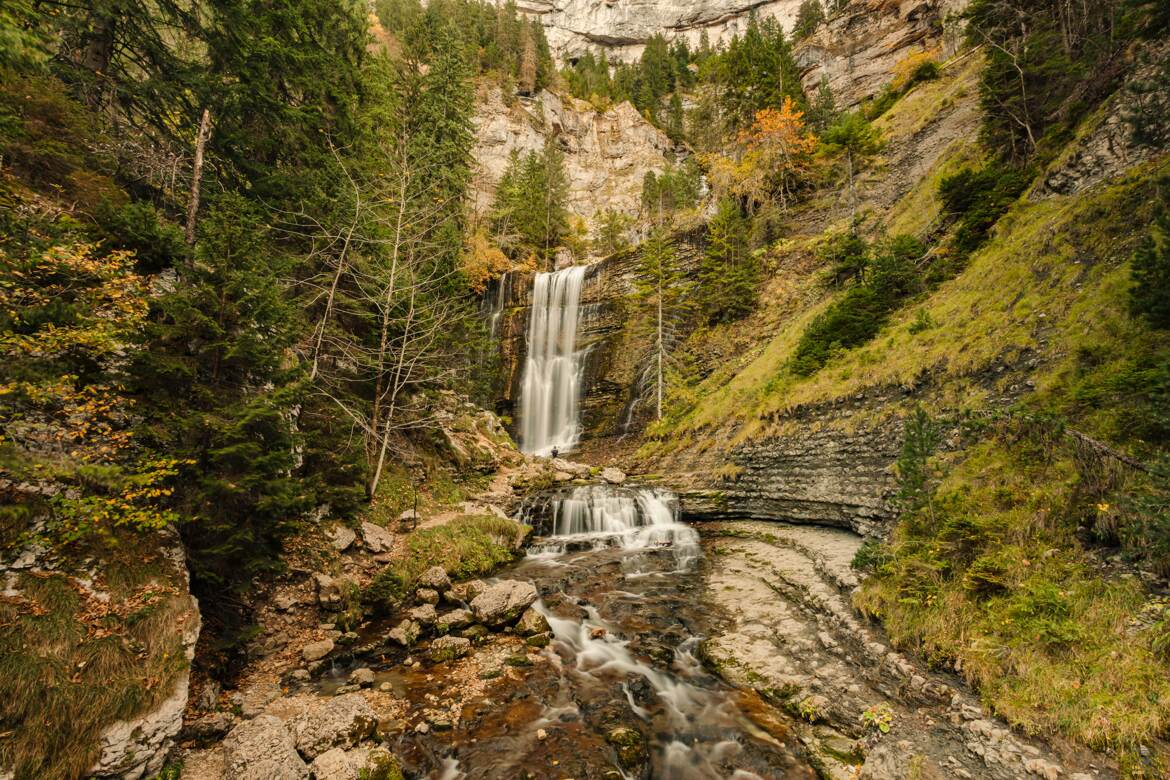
(422, 728)
(541, 734)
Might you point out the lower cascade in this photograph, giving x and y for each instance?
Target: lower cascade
(596, 516)
(550, 390)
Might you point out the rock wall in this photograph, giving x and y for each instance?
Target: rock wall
(621, 27)
(607, 154)
(817, 474)
(858, 48)
(613, 357)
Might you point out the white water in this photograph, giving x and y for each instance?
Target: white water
(597, 516)
(550, 390)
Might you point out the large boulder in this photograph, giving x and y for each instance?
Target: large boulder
(342, 721)
(341, 537)
(503, 602)
(376, 538)
(405, 633)
(262, 749)
(613, 476)
(531, 622)
(424, 614)
(435, 578)
(331, 592)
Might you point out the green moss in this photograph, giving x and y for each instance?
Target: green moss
(468, 546)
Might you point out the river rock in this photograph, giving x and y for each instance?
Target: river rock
(315, 651)
(578, 470)
(341, 537)
(503, 602)
(333, 764)
(630, 746)
(531, 622)
(405, 633)
(613, 476)
(466, 591)
(423, 614)
(455, 619)
(435, 578)
(376, 538)
(330, 592)
(427, 596)
(363, 677)
(448, 648)
(262, 749)
(339, 722)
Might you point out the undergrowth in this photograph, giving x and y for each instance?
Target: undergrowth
(71, 664)
(468, 546)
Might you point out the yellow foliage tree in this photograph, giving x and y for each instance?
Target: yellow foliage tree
(771, 158)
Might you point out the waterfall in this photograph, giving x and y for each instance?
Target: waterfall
(551, 386)
(598, 516)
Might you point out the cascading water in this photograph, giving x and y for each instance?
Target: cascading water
(597, 516)
(550, 390)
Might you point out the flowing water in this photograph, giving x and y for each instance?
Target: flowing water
(621, 584)
(551, 385)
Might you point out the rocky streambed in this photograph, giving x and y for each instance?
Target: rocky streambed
(627, 644)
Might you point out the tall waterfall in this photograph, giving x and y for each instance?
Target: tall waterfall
(550, 390)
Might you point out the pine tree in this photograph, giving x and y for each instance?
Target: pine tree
(674, 119)
(810, 16)
(217, 387)
(856, 140)
(728, 272)
(1150, 294)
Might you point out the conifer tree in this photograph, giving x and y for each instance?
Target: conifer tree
(728, 272)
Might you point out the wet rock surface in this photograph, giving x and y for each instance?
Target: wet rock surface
(794, 636)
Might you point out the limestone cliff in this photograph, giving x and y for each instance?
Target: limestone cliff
(607, 154)
(622, 27)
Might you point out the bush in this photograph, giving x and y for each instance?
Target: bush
(977, 199)
(140, 228)
(891, 275)
(1150, 294)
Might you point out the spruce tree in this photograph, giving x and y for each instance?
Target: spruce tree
(217, 387)
(728, 271)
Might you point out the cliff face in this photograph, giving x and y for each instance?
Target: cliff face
(621, 27)
(607, 154)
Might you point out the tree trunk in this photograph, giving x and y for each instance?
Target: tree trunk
(197, 174)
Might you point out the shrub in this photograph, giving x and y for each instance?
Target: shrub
(977, 199)
(142, 229)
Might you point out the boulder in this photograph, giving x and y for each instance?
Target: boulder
(315, 651)
(531, 622)
(405, 633)
(376, 538)
(455, 619)
(448, 648)
(578, 470)
(427, 596)
(341, 537)
(435, 578)
(342, 721)
(254, 699)
(330, 592)
(423, 614)
(333, 764)
(285, 600)
(466, 591)
(613, 476)
(363, 677)
(262, 749)
(503, 602)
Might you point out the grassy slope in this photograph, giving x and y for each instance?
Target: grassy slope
(1057, 644)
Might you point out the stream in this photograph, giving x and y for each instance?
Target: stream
(620, 691)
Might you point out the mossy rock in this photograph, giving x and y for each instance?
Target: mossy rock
(630, 746)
